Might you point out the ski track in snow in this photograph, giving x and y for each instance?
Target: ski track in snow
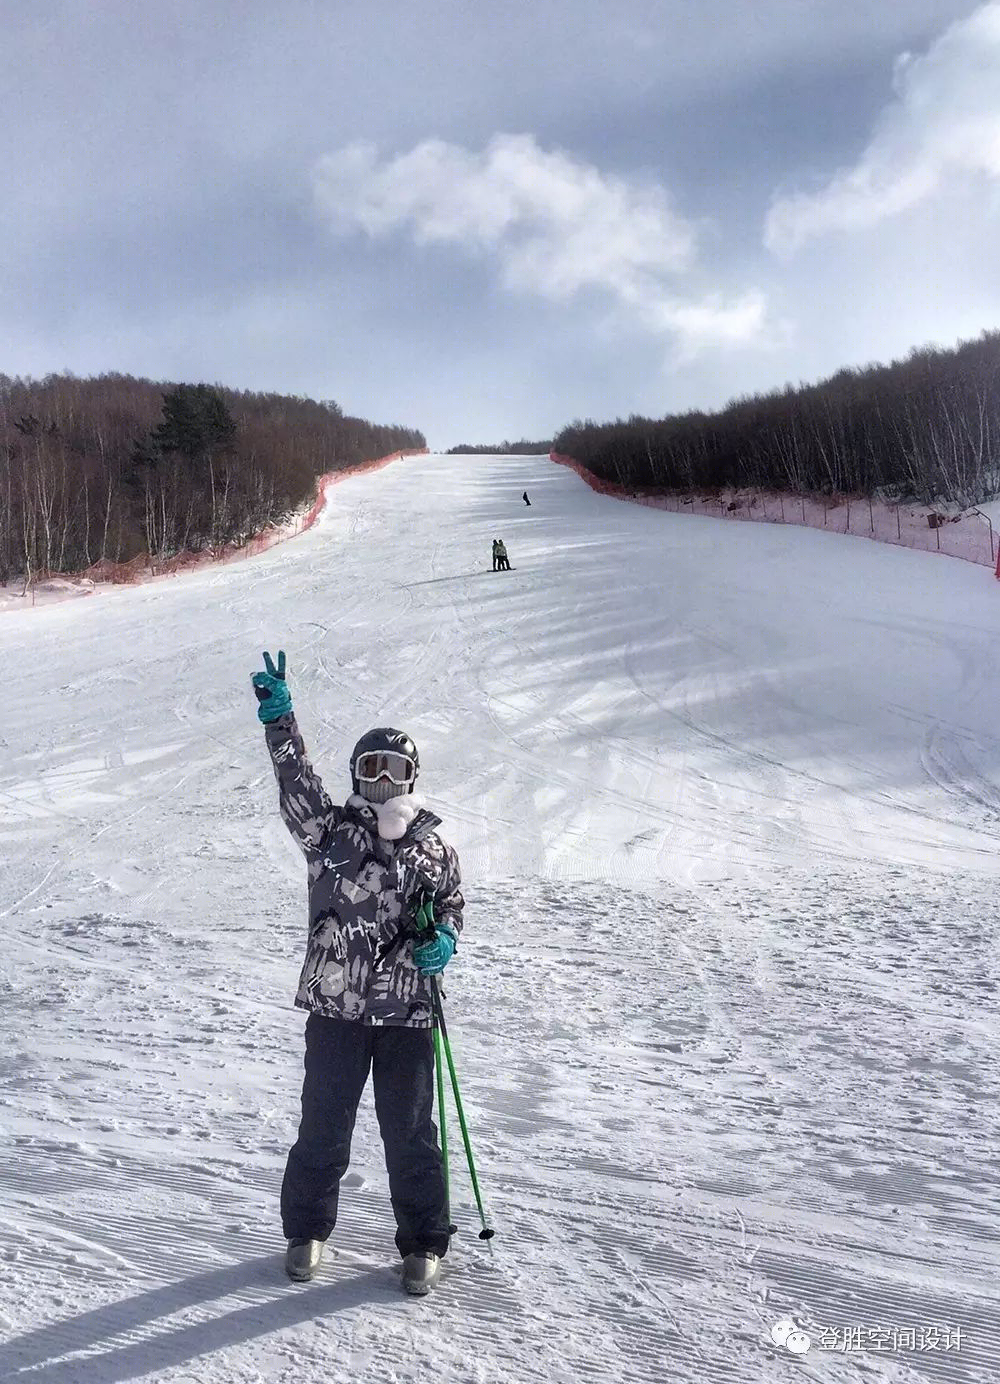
(726, 1012)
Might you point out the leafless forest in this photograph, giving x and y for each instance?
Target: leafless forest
(519, 449)
(926, 428)
(108, 468)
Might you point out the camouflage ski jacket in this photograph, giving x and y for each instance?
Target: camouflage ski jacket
(362, 889)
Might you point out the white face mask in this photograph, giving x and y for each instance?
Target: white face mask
(395, 816)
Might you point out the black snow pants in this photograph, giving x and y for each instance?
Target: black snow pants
(338, 1057)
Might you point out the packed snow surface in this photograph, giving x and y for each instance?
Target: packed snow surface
(725, 1013)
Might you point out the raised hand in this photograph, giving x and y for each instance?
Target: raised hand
(273, 696)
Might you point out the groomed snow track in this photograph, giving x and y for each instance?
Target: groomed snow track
(726, 1013)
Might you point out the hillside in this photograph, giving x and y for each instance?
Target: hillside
(101, 470)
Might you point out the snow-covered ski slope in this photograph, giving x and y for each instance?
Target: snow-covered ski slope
(727, 799)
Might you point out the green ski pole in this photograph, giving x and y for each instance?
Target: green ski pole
(442, 1121)
(487, 1232)
(423, 918)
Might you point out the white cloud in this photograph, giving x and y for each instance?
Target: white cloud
(555, 227)
(942, 128)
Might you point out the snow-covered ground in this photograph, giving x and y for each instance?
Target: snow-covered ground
(727, 799)
(19, 594)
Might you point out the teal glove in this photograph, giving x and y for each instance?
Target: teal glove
(432, 957)
(272, 691)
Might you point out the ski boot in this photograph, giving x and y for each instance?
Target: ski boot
(421, 1271)
(302, 1259)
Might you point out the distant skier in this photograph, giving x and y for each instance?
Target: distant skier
(503, 561)
(496, 554)
(370, 864)
(524, 497)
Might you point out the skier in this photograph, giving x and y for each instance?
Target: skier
(496, 554)
(503, 561)
(365, 983)
(524, 497)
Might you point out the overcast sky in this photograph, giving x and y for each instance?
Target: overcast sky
(487, 219)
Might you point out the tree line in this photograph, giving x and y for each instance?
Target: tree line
(108, 468)
(522, 448)
(926, 428)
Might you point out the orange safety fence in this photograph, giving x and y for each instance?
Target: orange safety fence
(969, 536)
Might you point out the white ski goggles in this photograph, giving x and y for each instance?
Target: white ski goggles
(396, 767)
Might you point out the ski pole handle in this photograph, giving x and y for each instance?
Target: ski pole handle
(423, 919)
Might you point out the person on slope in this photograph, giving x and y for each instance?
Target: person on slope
(365, 982)
(524, 497)
(496, 554)
(503, 561)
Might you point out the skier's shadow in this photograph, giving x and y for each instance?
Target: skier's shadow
(457, 577)
(40, 1355)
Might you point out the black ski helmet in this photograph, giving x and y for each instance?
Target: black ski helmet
(382, 739)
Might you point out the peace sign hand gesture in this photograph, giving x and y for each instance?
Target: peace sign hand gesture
(272, 690)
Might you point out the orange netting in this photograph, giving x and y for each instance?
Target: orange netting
(969, 535)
